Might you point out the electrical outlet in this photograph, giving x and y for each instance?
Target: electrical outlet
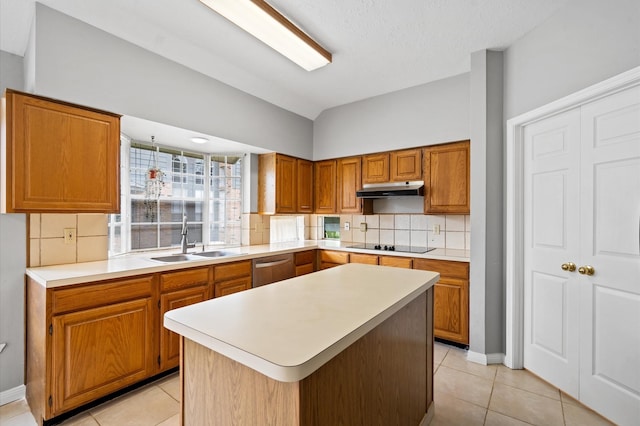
(347, 226)
(69, 235)
(436, 229)
(363, 227)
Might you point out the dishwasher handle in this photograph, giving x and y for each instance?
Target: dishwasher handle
(270, 264)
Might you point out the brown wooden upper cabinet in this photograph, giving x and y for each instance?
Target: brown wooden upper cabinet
(405, 165)
(285, 184)
(60, 157)
(325, 186)
(446, 178)
(375, 168)
(304, 171)
(395, 166)
(349, 181)
(276, 184)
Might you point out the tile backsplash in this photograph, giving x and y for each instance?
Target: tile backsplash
(439, 231)
(46, 238)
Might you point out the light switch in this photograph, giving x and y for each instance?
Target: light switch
(347, 226)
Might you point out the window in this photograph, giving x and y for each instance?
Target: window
(205, 188)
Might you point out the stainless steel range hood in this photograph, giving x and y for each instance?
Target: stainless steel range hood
(393, 189)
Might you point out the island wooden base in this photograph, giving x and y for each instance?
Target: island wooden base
(384, 378)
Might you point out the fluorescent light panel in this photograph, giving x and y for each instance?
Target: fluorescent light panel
(265, 23)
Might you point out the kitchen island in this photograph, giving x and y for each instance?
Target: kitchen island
(348, 345)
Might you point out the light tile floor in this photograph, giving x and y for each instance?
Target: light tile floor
(465, 394)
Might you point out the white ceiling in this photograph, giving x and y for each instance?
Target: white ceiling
(378, 46)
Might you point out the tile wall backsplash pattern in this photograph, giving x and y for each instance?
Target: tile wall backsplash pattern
(46, 238)
(396, 229)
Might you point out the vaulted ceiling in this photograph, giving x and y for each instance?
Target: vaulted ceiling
(378, 46)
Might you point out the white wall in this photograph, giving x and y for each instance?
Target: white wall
(13, 254)
(422, 115)
(585, 42)
(79, 63)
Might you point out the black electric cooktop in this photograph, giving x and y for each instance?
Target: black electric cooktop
(387, 247)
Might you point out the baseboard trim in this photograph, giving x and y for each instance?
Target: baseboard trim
(13, 394)
(485, 359)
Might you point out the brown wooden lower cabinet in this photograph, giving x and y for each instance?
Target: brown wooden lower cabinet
(331, 258)
(451, 298)
(87, 341)
(305, 262)
(368, 259)
(231, 278)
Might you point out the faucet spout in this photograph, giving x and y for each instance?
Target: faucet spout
(184, 242)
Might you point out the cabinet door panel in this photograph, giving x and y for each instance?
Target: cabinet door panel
(349, 181)
(406, 165)
(375, 168)
(446, 175)
(285, 184)
(170, 341)
(98, 351)
(304, 269)
(61, 157)
(325, 186)
(224, 288)
(451, 310)
(304, 186)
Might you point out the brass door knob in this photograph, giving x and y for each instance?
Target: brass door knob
(569, 266)
(586, 270)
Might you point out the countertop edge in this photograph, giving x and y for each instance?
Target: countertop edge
(140, 264)
(298, 372)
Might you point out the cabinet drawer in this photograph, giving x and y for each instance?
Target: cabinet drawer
(398, 262)
(446, 268)
(369, 259)
(232, 270)
(183, 279)
(304, 257)
(100, 294)
(339, 257)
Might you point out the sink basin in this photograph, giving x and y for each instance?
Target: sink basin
(174, 258)
(215, 253)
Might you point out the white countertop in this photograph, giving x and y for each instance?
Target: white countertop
(140, 263)
(287, 330)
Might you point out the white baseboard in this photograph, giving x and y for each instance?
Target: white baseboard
(13, 394)
(485, 359)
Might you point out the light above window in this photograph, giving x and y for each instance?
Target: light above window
(265, 23)
(199, 139)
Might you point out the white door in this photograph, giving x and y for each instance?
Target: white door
(551, 205)
(610, 243)
(582, 205)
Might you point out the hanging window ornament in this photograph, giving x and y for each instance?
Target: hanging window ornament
(155, 176)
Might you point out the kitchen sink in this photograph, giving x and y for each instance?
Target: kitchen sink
(215, 253)
(180, 257)
(174, 258)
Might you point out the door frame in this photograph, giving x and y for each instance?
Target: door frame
(514, 354)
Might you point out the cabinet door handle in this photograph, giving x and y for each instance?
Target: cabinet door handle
(269, 264)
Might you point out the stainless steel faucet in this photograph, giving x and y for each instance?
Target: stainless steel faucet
(184, 242)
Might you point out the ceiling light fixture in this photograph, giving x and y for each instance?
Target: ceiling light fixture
(199, 139)
(261, 20)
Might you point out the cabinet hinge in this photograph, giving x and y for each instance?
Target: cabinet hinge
(50, 401)
(158, 304)
(158, 360)
(51, 329)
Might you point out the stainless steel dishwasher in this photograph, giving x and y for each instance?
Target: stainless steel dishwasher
(267, 270)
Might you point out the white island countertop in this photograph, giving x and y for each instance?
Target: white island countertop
(287, 330)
